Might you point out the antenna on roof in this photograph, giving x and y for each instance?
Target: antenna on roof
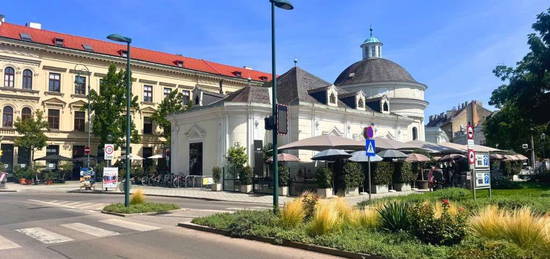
(295, 62)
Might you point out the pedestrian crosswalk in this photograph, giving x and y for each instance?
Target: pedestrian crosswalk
(93, 206)
(71, 231)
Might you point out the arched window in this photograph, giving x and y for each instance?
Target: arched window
(26, 113)
(415, 133)
(332, 98)
(7, 117)
(386, 107)
(9, 76)
(360, 103)
(27, 79)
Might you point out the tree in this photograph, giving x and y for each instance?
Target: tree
(109, 109)
(524, 99)
(32, 133)
(172, 103)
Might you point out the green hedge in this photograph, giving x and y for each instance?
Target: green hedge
(403, 173)
(323, 177)
(382, 173)
(353, 175)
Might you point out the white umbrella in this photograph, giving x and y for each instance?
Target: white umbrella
(155, 156)
(360, 157)
(331, 154)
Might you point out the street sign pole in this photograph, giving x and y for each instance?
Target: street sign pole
(368, 133)
(370, 184)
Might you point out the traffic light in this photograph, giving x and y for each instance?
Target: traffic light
(268, 123)
(282, 119)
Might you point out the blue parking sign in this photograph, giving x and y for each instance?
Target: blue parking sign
(370, 147)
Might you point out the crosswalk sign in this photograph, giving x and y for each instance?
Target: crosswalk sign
(370, 147)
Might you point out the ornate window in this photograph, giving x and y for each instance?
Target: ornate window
(167, 91)
(27, 79)
(148, 93)
(7, 117)
(53, 119)
(54, 83)
(415, 133)
(186, 97)
(26, 113)
(9, 77)
(79, 121)
(80, 85)
(147, 125)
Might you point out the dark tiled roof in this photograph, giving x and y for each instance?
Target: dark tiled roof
(250, 95)
(293, 86)
(374, 70)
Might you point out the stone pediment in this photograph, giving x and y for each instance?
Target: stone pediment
(195, 132)
(148, 110)
(78, 103)
(54, 101)
(334, 132)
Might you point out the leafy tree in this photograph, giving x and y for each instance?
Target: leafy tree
(109, 109)
(524, 99)
(32, 133)
(171, 104)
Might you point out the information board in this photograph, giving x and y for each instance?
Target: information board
(110, 177)
(483, 179)
(482, 160)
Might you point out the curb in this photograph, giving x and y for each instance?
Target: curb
(168, 196)
(126, 215)
(287, 243)
(8, 190)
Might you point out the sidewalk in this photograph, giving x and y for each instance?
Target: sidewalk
(195, 193)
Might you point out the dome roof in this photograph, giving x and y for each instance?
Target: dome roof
(372, 39)
(374, 70)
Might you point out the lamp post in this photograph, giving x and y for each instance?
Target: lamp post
(120, 38)
(283, 4)
(88, 110)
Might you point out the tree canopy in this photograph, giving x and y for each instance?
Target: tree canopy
(172, 103)
(524, 98)
(32, 132)
(109, 109)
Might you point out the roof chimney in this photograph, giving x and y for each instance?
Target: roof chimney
(2, 19)
(34, 25)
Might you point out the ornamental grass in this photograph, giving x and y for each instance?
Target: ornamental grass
(138, 197)
(521, 227)
(325, 219)
(293, 213)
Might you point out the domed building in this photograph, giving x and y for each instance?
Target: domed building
(378, 77)
(373, 91)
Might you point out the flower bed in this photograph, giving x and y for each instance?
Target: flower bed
(434, 225)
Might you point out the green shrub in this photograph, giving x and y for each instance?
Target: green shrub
(246, 221)
(25, 172)
(543, 177)
(353, 175)
(138, 197)
(475, 248)
(403, 173)
(216, 174)
(382, 173)
(455, 194)
(140, 208)
(394, 216)
(236, 156)
(444, 229)
(309, 201)
(502, 182)
(245, 175)
(323, 177)
(284, 176)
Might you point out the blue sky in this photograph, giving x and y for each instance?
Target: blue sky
(451, 46)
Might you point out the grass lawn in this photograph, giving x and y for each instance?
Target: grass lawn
(140, 208)
(403, 243)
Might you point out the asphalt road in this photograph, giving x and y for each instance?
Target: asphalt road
(69, 225)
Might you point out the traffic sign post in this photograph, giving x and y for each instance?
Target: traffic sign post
(109, 152)
(370, 150)
(87, 150)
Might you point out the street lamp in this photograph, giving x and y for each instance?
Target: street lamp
(88, 74)
(283, 4)
(120, 38)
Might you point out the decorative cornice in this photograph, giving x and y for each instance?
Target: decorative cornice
(56, 69)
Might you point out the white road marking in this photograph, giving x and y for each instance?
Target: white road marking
(73, 205)
(129, 225)
(7, 244)
(90, 230)
(44, 236)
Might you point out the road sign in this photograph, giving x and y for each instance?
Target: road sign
(482, 160)
(370, 147)
(471, 156)
(368, 132)
(282, 119)
(483, 179)
(86, 150)
(470, 131)
(108, 152)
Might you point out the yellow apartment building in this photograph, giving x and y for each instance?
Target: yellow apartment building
(50, 71)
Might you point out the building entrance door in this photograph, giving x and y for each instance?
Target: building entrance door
(7, 157)
(195, 158)
(78, 152)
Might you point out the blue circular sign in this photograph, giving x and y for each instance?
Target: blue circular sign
(368, 132)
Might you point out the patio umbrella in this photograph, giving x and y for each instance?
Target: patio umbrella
(521, 157)
(53, 158)
(417, 158)
(324, 142)
(331, 154)
(497, 156)
(284, 157)
(451, 157)
(391, 153)
(155, 157)
(428, 146)
(386, 143)
(361, 157)
(132, 157)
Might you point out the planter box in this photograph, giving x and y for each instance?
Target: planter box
(283, 191)
(324, 192)
(352, 191)
(379, 188)
(246, 188)
(402, 187)
(217, 187)
(422, 184)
